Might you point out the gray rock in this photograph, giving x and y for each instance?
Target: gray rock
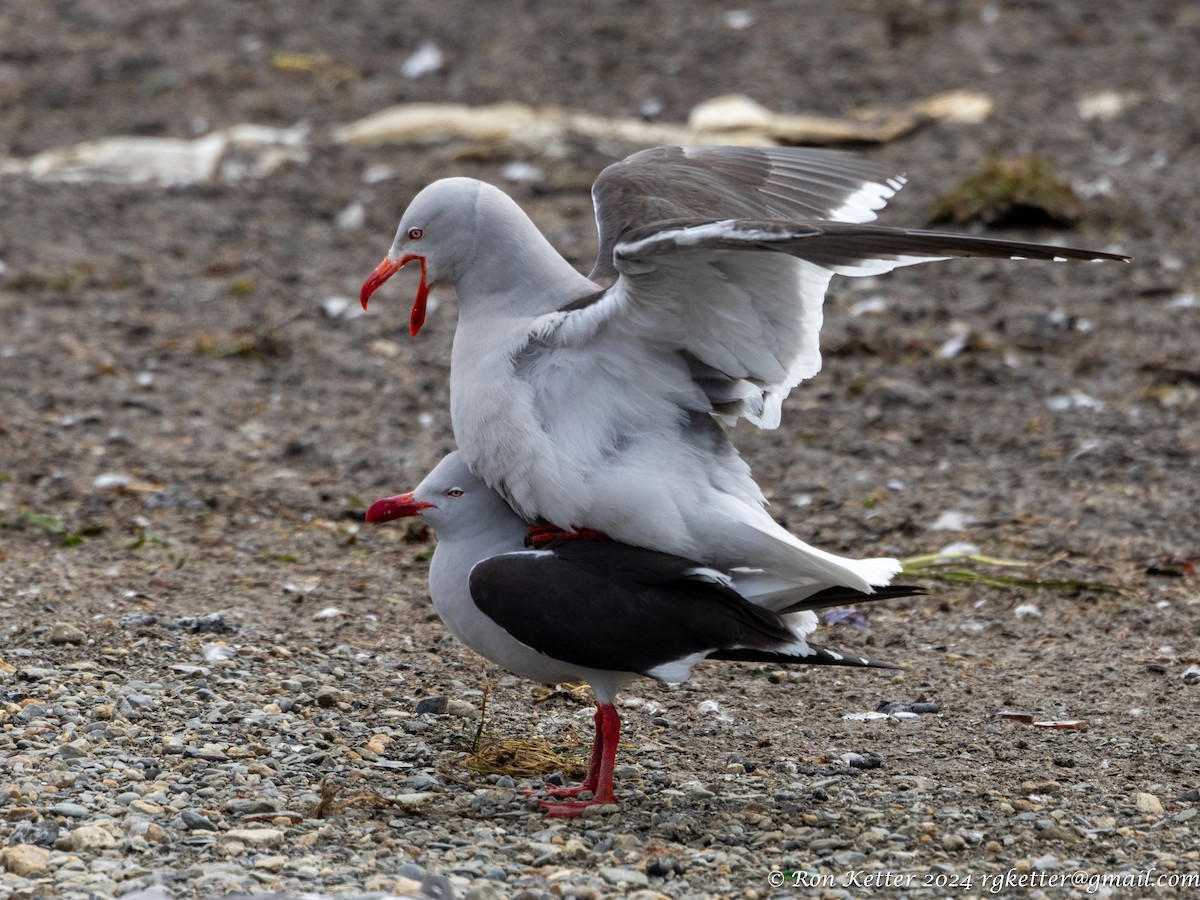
(194, 821)
(69, 810)
(623, 876)
(137, 620)
(42, 833)
(432, 705)
(210, 623)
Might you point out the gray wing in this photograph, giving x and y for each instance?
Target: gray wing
(724, 254)
(668, 183)
(742, 298)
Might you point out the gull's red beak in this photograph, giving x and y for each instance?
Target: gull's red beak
(386, 270)
(399, 507)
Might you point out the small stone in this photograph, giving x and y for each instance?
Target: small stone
(87, 838)
(42, 833)
(619, 875)
(328, 697)
(432, 705)
(194, 821)
(137, 620)
(74, 750)
(1147, 803)
(953, 842)
(212, 623)
(696, 790)
(258, 838)
(65, 633)
(411, 871)
(460, 708)
(69, 810)
(249, 806)
(271, 863)
(24, 859)
(662, 866)
(156, 834)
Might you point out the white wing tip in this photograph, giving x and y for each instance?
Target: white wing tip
(861, 205)
(707, 573)
(879, 572)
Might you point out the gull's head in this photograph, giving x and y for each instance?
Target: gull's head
(437, 231)
(449, 499)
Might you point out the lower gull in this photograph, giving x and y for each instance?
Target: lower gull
(599, 611)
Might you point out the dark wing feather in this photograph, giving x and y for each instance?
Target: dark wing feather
(666, 183)
(819, 656)
(844, 596)
(833, 245)
(606, 606)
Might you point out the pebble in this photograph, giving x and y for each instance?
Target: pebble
(257, 838)
(210, 623)
(69, 810)
(954, 843)
(41, 834)
(194, 821)
(624, 876)
(90, 838)
(1147, 803)
(24, 859)
(696, 790)
(461, 708)
(66, 633)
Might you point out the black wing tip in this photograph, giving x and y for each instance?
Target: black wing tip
(844, 596)
(821, 656)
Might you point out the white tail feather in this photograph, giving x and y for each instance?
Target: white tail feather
(767, 545)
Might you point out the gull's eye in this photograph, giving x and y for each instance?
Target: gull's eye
(415, 234)
(454, 492)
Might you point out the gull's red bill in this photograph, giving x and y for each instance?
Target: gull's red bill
(399, 507)
(386, 270)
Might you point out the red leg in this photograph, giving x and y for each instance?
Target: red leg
(593, 771)
(608, 735)
(542, 534)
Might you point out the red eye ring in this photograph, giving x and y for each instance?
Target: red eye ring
(415, 234)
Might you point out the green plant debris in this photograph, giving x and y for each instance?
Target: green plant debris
(145, 537)
(975, 568)
(55, 527)
(1007, 193)
(263, 344)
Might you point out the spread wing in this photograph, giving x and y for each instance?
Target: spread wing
(668, 183)
(724, 255)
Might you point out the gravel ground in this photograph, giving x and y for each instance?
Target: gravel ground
(191, 758)
(216, 680)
